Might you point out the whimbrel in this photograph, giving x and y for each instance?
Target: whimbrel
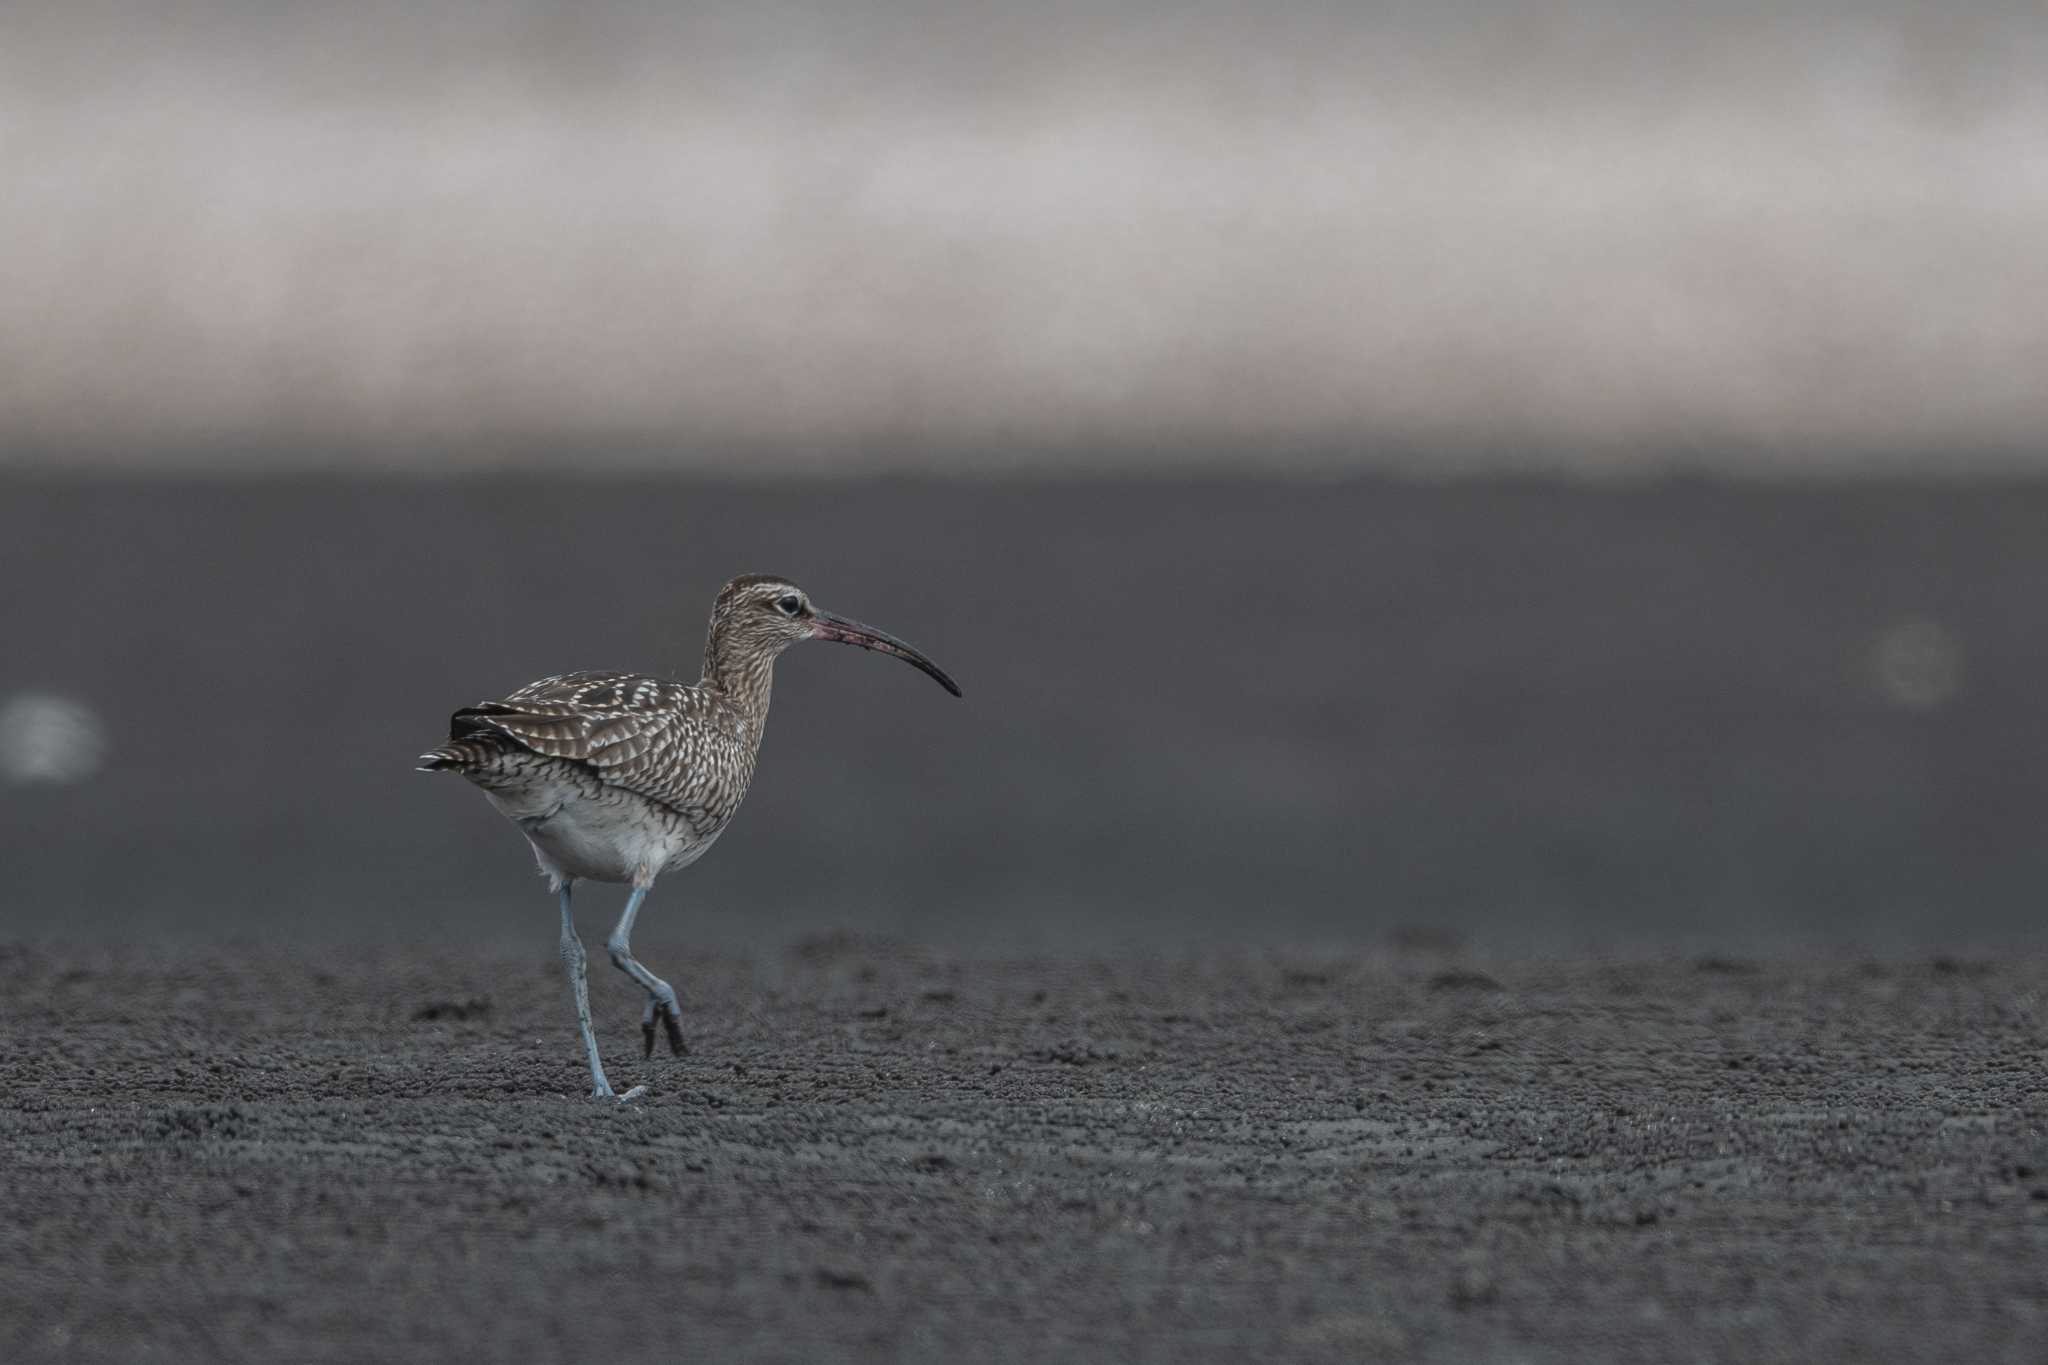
(619, 777)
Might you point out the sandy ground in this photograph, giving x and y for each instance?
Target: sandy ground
(877, 1151)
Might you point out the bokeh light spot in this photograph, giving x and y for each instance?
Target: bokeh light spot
(1916, 664)
(45, 738)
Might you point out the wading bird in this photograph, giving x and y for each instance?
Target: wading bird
(619, 777)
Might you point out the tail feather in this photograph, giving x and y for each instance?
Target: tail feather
(457, 755)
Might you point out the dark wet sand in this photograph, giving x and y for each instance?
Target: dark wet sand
(876, 1151)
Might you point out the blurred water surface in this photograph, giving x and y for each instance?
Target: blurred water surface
(1527, 714)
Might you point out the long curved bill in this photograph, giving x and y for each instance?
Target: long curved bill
(830, 627)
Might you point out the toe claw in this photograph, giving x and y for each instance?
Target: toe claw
(647, 1029)
(671, 1016)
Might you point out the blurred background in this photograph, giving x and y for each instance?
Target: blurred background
(1547, 476)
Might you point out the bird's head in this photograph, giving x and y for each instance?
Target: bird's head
(760, 615)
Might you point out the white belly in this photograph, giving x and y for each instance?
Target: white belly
(612, 837)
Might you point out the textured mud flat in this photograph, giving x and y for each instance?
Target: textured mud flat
(879, 1152)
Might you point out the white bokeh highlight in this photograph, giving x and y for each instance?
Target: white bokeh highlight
(46, 738)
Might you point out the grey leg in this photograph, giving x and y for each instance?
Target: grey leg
(572, 962)
(661, 997)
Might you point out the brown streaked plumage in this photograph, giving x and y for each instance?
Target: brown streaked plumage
(619, 777)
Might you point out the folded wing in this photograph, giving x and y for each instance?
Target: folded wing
(659, 739)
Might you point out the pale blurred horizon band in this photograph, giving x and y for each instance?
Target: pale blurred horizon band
(761, 241)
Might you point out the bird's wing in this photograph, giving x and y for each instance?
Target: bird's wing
(633, 731)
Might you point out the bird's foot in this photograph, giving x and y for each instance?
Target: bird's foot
(604, 1091)
(671, 1016)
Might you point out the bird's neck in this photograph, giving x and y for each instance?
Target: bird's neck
(743, 676)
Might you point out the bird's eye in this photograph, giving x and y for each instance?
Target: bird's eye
(789, 604)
